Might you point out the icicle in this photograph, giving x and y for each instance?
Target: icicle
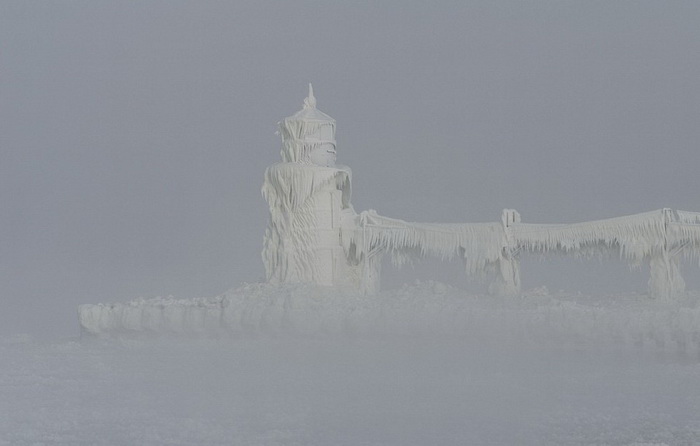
(478, 244)
(634, 237)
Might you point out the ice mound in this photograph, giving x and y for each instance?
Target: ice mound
(424, 308)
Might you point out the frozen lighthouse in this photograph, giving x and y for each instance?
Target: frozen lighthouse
(315, 238)
(309, 200)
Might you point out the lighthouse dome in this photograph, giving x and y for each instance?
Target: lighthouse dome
(308, 136)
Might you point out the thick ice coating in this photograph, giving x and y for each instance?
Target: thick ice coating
(322, 260)
(309, 201)
(315, 236)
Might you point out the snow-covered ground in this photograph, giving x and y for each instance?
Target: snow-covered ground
(399, 373)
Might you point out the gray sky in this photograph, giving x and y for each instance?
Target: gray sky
(134, 135)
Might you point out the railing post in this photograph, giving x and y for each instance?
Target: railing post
(665, 280)
(371, 262)
(371, 273)
(507, 280)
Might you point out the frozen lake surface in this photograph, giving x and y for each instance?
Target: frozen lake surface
(348, 392)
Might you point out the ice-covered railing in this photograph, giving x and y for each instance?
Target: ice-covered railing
(687, 217)
(683, 232)
(483, 247)
(634, 237)
(478, 244)
(659, 237)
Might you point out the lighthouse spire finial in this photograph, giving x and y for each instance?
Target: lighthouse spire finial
(310, 102)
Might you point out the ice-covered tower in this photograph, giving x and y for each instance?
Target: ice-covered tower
(309, 200)
(308, 136)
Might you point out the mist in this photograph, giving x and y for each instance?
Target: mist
(134, 137)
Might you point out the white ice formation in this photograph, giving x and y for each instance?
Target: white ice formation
(309, 200)
(315, 236)
(323, 260)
